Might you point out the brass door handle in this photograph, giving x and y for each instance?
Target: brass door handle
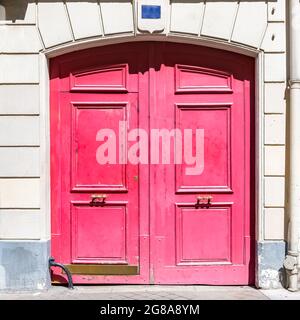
(204, 200)
(96, 198)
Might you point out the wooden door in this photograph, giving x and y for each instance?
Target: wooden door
(187, 221)
(201, 209)
(96, 229)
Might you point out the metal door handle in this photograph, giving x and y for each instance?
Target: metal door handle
(96, 198)
(52, 263)
(204, 200)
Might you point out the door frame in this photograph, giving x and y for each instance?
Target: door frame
(45, 117)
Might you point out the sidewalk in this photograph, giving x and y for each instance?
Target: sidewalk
(140, 292)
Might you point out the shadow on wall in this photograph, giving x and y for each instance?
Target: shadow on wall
(12, 10)
(283, 277)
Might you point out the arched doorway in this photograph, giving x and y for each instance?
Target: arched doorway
(159, 214)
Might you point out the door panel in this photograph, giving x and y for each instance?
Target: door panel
(193, 79)
(87, 121)
(212, 172)
(99, 234)
(106, 78)
(196, 240)
(176, 222)
(95, 105)
(209, 231)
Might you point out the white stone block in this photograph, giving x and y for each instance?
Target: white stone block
(53, 23)
(19, 99)
(274, 224)
(274, 160)
(20, 193)
(19, 162)
(275, 129)
(274, 190)
(219, 19)
(19, 130)
(19, 68)
(85, 18)
(251, 23)
(19, 224)
(276, 10)
(186, 17)
(275, 101)
(274, 39)
(275, 67)
(19, 39)
(117, 16)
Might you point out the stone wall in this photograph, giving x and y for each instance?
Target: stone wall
(31, 31)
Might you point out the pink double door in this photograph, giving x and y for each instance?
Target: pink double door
(152, 153)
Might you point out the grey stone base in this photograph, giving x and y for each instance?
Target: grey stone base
(24, 265)
(270, 273)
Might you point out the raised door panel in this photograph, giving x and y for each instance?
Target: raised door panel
(101, 69)
(95, 164)
(107, 78)
(203, 234)
(206, 147)
(99, 233)
(192, 79)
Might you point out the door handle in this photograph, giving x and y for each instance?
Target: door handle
(98, 198)
(204, 200)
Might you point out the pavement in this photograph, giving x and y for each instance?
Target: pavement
(153, 292)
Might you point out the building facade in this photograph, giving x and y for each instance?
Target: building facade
(230, 68)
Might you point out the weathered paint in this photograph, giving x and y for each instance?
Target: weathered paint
(175, 86)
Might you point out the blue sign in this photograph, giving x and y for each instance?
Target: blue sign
(151, 12)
